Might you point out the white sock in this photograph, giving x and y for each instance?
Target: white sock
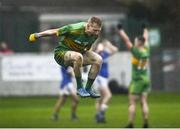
(104, 107)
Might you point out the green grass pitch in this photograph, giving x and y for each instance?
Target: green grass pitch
(36, 112)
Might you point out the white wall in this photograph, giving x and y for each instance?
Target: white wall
(32, 74)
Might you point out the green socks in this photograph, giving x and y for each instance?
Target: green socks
(79, 82)
(89, 83)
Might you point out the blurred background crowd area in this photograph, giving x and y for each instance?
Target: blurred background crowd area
(19, 18)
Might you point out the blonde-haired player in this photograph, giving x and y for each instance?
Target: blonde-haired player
(75, 41)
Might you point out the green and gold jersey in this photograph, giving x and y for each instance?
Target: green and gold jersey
(139, 62)
(73, 37)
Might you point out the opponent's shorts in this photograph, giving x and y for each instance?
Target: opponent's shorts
(139, 86)
(68, 89)
(100, 82)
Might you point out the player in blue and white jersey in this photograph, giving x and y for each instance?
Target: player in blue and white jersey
(67, 88)
(105, 49)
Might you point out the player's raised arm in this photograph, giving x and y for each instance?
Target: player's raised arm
(35, 36)
(145, 33)
(124, 37)
(110, 47)
(70, 71)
